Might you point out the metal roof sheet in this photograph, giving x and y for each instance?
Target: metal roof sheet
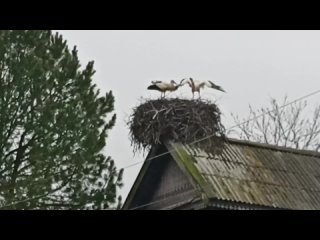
(261, 174)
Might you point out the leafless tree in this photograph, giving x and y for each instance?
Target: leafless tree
(281, 124)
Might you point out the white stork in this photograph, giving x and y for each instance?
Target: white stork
(164, 86)
(197, 85)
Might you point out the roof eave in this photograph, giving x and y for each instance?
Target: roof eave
(139, 178)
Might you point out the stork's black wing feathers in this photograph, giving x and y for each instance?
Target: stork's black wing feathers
(154, 87)
(216, 86)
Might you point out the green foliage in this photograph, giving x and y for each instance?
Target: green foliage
(53, 127)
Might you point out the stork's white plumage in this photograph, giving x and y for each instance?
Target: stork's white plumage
(197, 85)
(164, 86)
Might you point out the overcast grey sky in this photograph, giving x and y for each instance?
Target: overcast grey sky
(251, 66)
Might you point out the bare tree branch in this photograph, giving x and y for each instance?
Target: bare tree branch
(281, 126)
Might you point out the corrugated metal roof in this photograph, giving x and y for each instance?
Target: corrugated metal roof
(261, 174)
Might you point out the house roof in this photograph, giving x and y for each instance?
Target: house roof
(250, 173)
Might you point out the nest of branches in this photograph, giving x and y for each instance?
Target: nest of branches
(186, 121)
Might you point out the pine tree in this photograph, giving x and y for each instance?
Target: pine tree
(53, 127)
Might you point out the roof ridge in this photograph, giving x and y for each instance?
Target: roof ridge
(274, 147)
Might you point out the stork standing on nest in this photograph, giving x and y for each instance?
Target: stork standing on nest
(197, 85)
(164, 86)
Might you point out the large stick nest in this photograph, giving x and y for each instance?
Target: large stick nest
(179, 120)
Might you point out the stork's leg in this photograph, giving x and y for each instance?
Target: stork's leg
(199, 94)
(192, 94)
(164, 94)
